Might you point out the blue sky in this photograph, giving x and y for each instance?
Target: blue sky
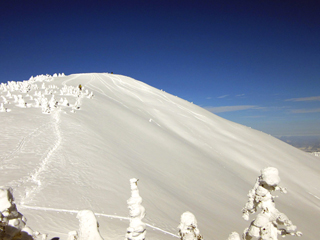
(252, 62)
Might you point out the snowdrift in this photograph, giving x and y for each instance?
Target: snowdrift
(64, 150)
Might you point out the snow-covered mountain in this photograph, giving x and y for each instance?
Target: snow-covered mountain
(64, 150)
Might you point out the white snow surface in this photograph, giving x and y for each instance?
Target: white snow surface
(81, 157)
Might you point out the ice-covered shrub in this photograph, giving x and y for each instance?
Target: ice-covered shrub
(136, 229)
(269, 222)
(188, 229)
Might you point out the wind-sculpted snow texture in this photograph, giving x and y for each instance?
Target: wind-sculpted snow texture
(79, 153)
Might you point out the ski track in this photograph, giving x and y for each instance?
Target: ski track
(122, 88)
(142, 85)
(314, 195)
(96, 89)
(91, 79)
(35, 177)
(130, 92)
(65, 82)
(105, 84)
(119, 83)
(160, 96)
(97, 214)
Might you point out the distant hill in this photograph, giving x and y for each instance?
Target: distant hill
(305, 143)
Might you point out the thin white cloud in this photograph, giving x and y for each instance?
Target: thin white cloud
(223, 96)
(240, 95)
(314, 110)
(315, 98)
(230, 108)
(258, 116)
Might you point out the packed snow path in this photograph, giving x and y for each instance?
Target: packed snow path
(97, 214)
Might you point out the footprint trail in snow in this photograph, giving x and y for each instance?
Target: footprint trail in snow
(37, 175)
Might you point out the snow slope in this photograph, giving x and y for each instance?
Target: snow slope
(186, 159)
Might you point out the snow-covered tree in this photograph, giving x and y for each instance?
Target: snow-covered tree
(73, 235)
(15, 98)
(269, 222)
(2, 108)
(13, 223)
(5, 101)
(188, 229)
(234, 236)
(37, 103)
(21, 102)
(90, 95)
(88, 227)
(53, 103)
(64, 102)
(9, 95)
(77, 104)
(136, 229)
